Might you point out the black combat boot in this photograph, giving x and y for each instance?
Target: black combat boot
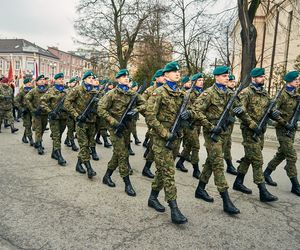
(97, 139)
(130, 151)
(264, 194)
(13, 129)
(268, 178)
(61, 161)
(146, 152)
(201, 193)
(239, 184)
(40, 148)
(128, 187)
(24, 138)
(94, 154)
(228, 206)
(31, 142)
(196, 171)
(53, 154)
(176, 216)
(107, 178)
(6, 125)
(107, 144)
(180, 166)
(67, 142)
(146, 170)
(136, 140)
(79, 168)
(90, 170)
(73, 145)
(230, 168)
(295, 186)
(145, 143)
(154, 202)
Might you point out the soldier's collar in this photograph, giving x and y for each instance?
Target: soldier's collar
(172, 85)
(198, 89)
(256, 86)
(290, 89)
(123, 87)
(220, 87)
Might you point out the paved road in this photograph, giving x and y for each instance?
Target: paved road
(44, 206)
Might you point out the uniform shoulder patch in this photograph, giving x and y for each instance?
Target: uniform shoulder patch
(154, 94)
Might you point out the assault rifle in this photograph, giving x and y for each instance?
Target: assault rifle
(264, 120)
(294, 119)
(122, 122)
(59, 108)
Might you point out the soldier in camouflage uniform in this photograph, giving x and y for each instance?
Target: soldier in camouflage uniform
(33, 101)
(75, 103)
(191, 136)
(208, 109)
(159, 80)
(162, 109)
(26, 115)
(255, 100)
(58, 118)
(227, 145)
(111, 108)
(286, 104)
(6, 104)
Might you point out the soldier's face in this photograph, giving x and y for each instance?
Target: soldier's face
(41, 82)
(222, 79)
(124, 80)
(89, 80)
(231, 84)
(59, 81)
(260, 79)
(188, 84)
(73, 84)
(295, 83)
(161, 79)
(199, 83)
(173, 76)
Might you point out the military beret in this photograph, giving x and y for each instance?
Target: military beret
(158, 73)
(256, 72)
(171, 66)
(40, 77)
(122, 72)
(73, 79)
(185, 79)
(26, 80)
(59, 75)
(197, 76)
(231, 77)
(291, 76)
(220, 70)
(104, 81)
(134, 84)
(87, 74)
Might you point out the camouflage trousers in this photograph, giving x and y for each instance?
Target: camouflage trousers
(71, 128)
(191, 143)
(286, 151)
(165, 168)
(253, 155)
(57, 129)
(85, 134)
(40, 123)
(120, 157)
(228, 143)
(27, 123)
(6, 115)
(214, 162)
(150, 155)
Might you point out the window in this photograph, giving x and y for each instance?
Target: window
(30, 66)
(18, 65)
(1, 64)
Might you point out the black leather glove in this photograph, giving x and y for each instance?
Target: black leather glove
(290, 127)
(81, 118)
(119, 128)
(25, 112)
(275, 114)
(172, 137)
(185, 115)
(216, 130)
(52, 115)
(238, 110)
(131, 114)
(37, 112)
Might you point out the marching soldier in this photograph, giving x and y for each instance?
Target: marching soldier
(286, 105)
(111, 108)
(255, 100)
(58, 118)
(75, 103)
(162, 109)
(33, 101)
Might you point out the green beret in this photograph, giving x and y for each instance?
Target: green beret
(27, 80)
(185, 79)
(87, 74)
(73, 79)
(197, 76)
(134, 84)
(122, 72)
(104, 81)
(40, 77)
(231, 77)
(291, 76)
(59, 75)
(171, 66)
(158, 73)
(220, 70)
(256, 72)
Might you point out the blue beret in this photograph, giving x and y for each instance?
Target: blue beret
(158, 73)
(87, 74)
(220, 70)
(185, 79)
(197, 76)
(26, 80)
(122, 72)
(40, 77)
(256, 72)
(59, 75)
(291, 76)
(171, 66)
(231, 77)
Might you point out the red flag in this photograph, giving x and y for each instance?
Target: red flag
(10, 73)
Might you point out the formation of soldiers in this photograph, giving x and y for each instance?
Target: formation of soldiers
(176, 110)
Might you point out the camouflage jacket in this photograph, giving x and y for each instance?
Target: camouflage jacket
(6, 97)
(77, 100)
(112, 106)
(50, 100)
(149, 91)
(20, 100)
(33, 99)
